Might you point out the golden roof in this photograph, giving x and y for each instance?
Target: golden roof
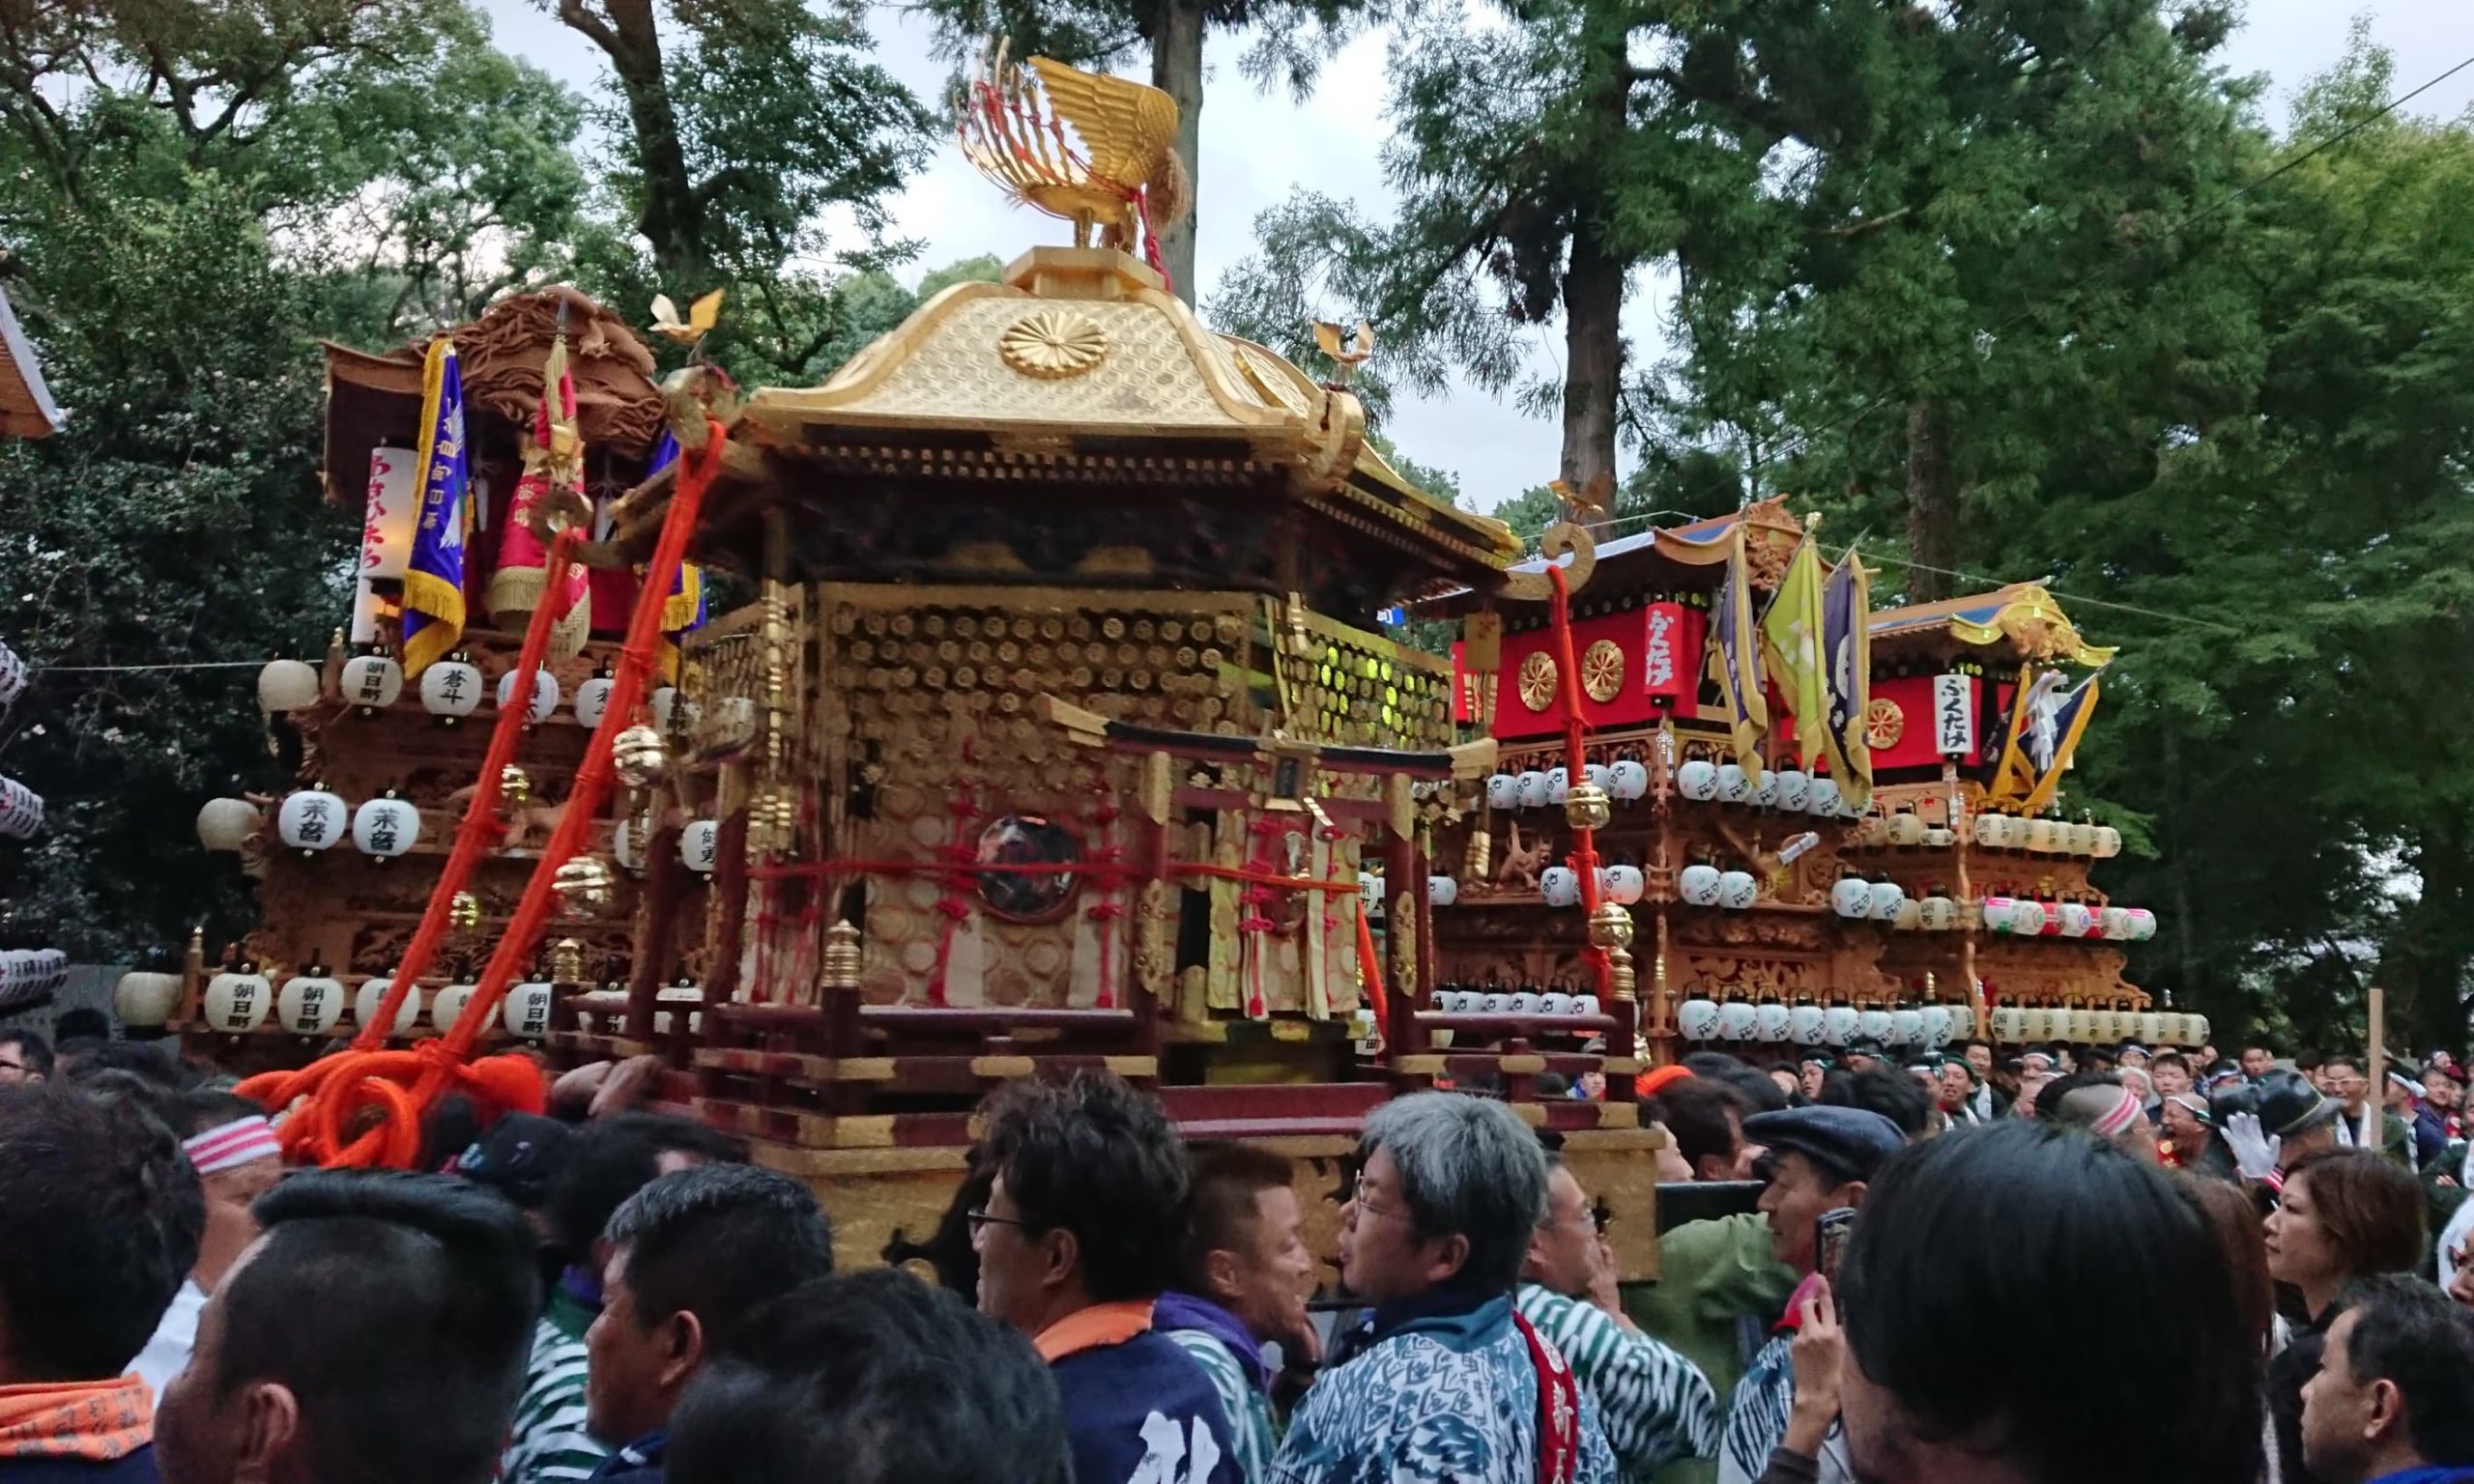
(2022, 614)
(1081, 355)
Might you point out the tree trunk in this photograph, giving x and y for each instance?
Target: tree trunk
(671, 216)
(1932, 504)
(1176, 70)
(1593, 362)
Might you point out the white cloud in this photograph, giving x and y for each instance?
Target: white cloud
(1259, 145)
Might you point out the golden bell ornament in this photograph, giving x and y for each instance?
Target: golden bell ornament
(515, 787)
(843, 960)
(463, 913)
(1586, 807)
(640, 757)
(567, 961)
(1610, 927)
(586, 886)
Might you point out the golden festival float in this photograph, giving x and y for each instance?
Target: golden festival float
(1015, 702)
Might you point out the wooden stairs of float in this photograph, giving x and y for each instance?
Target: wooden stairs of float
(783, 1075)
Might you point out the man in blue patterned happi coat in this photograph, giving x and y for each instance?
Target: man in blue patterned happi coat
(1447, 1381)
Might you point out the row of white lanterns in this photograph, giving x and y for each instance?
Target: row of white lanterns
(238, 1002)
(2096, 1025)
(1925, 1027)
(1523, 1002)
(30, 973)
(313, 819)
(451, 688)
(2027, 917)
(1548, 788)
(2047, 835)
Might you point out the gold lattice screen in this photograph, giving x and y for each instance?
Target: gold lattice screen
(1360, 689)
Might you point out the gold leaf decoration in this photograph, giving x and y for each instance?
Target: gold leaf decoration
(1537, 681)
(1884, 723)
(1602, 670)
(1053, 344)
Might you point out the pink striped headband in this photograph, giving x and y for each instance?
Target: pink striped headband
(2124, 1111)
(232, 1144)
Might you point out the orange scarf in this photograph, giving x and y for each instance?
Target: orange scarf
(100, 1420)
(1102, 1324)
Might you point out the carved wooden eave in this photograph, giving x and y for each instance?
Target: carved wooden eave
(2023, 621)
(1078, 370)
(1661, 557)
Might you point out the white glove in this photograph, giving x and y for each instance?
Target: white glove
(2255, 1152)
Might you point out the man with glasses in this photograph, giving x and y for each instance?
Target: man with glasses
(2363, 1124)
(1077, 1240)
(1448, 1381)
(24, 1057)
(1655, 1405)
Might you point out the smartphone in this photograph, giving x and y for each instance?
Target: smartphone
(1829, 1239)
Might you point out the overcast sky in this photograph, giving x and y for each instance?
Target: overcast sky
(1257, 148)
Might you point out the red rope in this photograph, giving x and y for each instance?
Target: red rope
(369, 1083)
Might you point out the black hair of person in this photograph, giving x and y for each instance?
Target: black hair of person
(82, 1024)
(1096, 1157)
(612, 1160)
(1228, 1181)
(152, 1060)
(872, 1378)
(947, 1250)
(34, 1052)
(1985, 1234)
(397, 1309)
(1896, 1096)
(2418, 1339)
(101, 1214)
(718, 1242)
(1704, 1115)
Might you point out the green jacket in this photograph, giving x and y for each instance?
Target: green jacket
(1721, 1287)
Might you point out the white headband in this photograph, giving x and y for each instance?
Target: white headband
(232, 1144)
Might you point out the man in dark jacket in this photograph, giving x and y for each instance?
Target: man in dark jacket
(100, 1222)
(1076, 1243)
(692, 1256)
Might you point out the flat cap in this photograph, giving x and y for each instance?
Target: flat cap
(1851, 1142)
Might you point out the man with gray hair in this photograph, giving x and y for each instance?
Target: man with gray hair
(1447, 1381)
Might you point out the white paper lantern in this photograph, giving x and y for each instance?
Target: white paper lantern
(1907, 1027)
(1697, 1019)
(386, 828)
(28, 974)
(145, 999)
(2113, 924)
(1698, 780)
(2148, 1027)
(1839, 1024)
(1532, 789)
(2194, 1031)
(1764, 790)
(1934, 1025)
(1698, 885)
(592, 699)
(1795, 790)
(1560, 886)
(1804, 1025)
(451, 688)
(2073, 918)
(12, 677)
(526, 1010)
(1770, 1021)
(1503, 791)
(1559, 785)
(287, 685)
(1735, 1020)
(1962, 1022)
(1442, 891)
(700, 845)
(1600, 776)
(1851, 897)
(1910, 915)
(1885, 900)
(2009, 1025)
(1937, 914)
(1904, 828)
(372, 992)
(310, 1004)
(1624, 884)
(1822, 797)
(373, 681)
(1737, 889)
(545, 695)
(20, 810)
(224, 824)
(448, 1007)
(2142, 925)
(2108, 843)
(2044, 836)
(312, 820)
(238, 1003)
(1628, 781)
(1369, 894)
(2028, 919)
(2080, 838)
(1874, 1022)
(1734, 785)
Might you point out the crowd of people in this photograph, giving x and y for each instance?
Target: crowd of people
(1904, 1293)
